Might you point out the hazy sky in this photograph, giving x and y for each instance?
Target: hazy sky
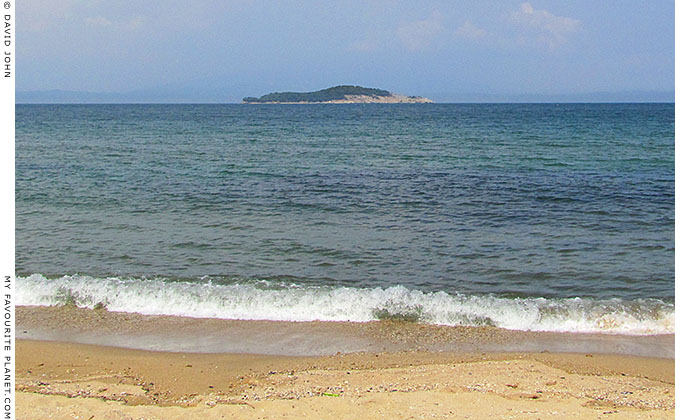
(248, 47)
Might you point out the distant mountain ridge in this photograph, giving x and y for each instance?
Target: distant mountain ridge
(336, 94)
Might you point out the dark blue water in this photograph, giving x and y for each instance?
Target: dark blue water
(530, 200)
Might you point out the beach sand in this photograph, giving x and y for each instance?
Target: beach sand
(62, 380)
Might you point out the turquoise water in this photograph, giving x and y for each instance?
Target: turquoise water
(285, 212)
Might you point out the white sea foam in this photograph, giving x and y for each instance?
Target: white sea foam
(285, 302)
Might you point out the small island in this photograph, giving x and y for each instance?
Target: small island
(344, 94)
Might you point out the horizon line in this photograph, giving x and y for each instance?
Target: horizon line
(603, 102)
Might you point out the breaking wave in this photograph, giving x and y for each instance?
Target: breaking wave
(279, 301)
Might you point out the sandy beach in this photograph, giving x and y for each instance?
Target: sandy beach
(57, 379)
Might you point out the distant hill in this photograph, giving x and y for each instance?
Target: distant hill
(336, 94)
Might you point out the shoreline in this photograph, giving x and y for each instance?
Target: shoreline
(313, 338)
(306, 369)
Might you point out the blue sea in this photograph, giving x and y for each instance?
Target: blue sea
(542, 217)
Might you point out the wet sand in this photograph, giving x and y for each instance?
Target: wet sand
(198, 335)
(60, 379)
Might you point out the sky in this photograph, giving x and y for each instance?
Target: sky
(446, 50)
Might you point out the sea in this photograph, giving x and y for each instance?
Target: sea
(534, 217)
